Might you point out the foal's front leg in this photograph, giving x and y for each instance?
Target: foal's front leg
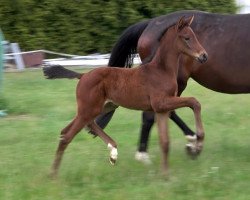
(172, 103)
(162, 125)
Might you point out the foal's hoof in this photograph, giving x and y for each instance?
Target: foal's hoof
(112, 161)
(113, 154)
(192, 148)
(52, 175)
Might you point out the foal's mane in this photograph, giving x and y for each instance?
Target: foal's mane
(170, 26)
(165, 30)
(159, 38)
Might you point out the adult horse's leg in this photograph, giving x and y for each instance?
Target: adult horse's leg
(162, 125)
(103, 119)
(67, 135)
(147, 123)
(112, 146)
(181, 124)
(108, 110)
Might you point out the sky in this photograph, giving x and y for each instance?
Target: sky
(245, 6)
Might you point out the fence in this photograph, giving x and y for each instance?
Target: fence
(37, 58)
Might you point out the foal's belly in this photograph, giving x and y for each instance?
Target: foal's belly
(131, 99)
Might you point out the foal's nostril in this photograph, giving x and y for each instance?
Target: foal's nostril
(203, 57)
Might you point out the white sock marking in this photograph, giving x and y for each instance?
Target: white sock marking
(113, 151)
(191, 138)
(143, 157)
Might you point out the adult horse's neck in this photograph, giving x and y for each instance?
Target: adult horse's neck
(167, 55)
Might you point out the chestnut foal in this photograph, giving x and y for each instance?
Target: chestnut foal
(149, 87)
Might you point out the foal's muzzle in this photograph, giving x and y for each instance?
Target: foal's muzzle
(202, 58)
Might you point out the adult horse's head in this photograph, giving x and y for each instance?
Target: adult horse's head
(187, 42)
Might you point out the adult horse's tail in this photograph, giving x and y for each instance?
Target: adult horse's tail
(124, 50)
(122, 55)
(57, 71)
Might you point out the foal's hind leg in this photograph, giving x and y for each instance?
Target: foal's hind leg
(103, 119)
(112, 146)
(67, 135)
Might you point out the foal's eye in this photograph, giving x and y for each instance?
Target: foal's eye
(186, 39)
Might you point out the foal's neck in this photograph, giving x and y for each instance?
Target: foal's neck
(167, 55)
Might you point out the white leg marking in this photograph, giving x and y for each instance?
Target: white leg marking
(143, 157)
(191, 138)
(192, 143)
(113, 152)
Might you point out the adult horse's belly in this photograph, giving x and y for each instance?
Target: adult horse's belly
(231, 76)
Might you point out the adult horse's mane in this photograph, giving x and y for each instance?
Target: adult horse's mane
(164, 24)
(124, 50)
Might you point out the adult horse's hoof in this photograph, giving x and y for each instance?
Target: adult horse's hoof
(143, 157)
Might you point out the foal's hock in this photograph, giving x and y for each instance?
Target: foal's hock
(149, 87)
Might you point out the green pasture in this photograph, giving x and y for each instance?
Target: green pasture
(39, 108)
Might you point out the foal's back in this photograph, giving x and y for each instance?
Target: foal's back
(125, 87)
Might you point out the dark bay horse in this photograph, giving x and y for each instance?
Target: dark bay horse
(149, 87)
(226, 39)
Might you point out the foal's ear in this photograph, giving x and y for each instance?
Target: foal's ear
(183, 22)
(180, 24)
(190, 20)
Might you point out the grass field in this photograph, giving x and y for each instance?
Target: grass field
(39, 109)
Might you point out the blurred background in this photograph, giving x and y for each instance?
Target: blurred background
(83, 27)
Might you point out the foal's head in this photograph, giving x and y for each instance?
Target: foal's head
(186, 41)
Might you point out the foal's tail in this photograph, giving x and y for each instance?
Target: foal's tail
(57, 71)
(124, 50)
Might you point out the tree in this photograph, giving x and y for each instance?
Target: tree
(86, 26)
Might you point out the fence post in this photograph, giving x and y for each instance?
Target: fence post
(2, 112)
(1, 62)
(17, 56)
